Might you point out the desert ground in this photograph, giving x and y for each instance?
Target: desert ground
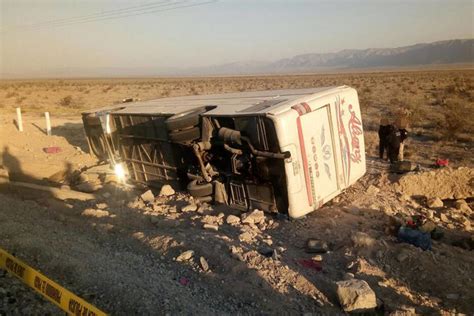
(123, 254)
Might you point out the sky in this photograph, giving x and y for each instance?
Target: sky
(44, 36)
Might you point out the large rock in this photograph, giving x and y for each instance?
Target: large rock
(232, 220)
(88, 187)
(435, 203)
(255, 217)
(185, 256)
(166, 190)
(148, 196)
(355, 295)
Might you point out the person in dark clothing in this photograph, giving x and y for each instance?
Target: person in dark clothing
(384, 129)
(393, 142)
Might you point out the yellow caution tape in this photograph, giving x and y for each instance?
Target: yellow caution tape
(64, 299)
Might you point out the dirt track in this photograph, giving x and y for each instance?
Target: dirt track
(124, 262)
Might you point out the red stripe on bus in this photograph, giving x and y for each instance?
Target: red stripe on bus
(306, 107)
(305, 161)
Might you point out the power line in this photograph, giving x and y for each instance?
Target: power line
(110, 15)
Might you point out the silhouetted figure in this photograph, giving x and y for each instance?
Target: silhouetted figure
(393, 142)
(10, 162)
(384, 130)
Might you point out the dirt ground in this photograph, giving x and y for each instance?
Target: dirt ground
(120, 253)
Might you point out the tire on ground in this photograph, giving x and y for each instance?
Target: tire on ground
(186, 135)
(200, 189)
(184, 119)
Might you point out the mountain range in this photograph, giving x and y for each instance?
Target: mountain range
(457, 51)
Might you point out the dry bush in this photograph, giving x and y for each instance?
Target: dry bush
(70, 102)
(457, 119)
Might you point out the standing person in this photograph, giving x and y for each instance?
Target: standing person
(384, 129)
(402, 127)
(393, 140)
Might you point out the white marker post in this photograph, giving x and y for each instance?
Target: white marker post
(48, 123)
(19, 121)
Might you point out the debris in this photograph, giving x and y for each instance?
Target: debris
(148, 196)
(414, 237)
(101, 205)
(94, 213)
(427, 227)
(111, 178)
(185, 256)
(52, 150)
(441, 162)
(310, 264)
(255, 217)
(316, 246)
(444, 218)
(211, 227)
(204, 264)
(166, 190)
(355, 294)
(189, 208)
(462, 206)
(233, 220)
(435, 203)
(403, 166)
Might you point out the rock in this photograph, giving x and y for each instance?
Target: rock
(427, 227)
(88, 187)
(443, 218)
(211, 227)
(254, 217)
(204, 264)
(463, 206)
(189, 208)
(348, 276)
(466, 224)
(318, 258)
(435, 203)
(185, 256)
(355, 295)
(316, 246)
(372, 190)
(246, 237)
(154, 219)
(148, 196)
(167, 190)
(232, 220)
(94, 213)
(402, 256)
(101, 206)
(265, 251)
(361, 239)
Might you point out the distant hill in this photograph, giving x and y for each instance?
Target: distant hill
(443, 52)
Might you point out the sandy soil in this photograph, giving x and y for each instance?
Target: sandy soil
(120, 253)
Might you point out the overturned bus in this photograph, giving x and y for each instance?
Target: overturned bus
(284, 151)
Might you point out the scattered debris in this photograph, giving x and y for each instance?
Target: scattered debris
(355, 295)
